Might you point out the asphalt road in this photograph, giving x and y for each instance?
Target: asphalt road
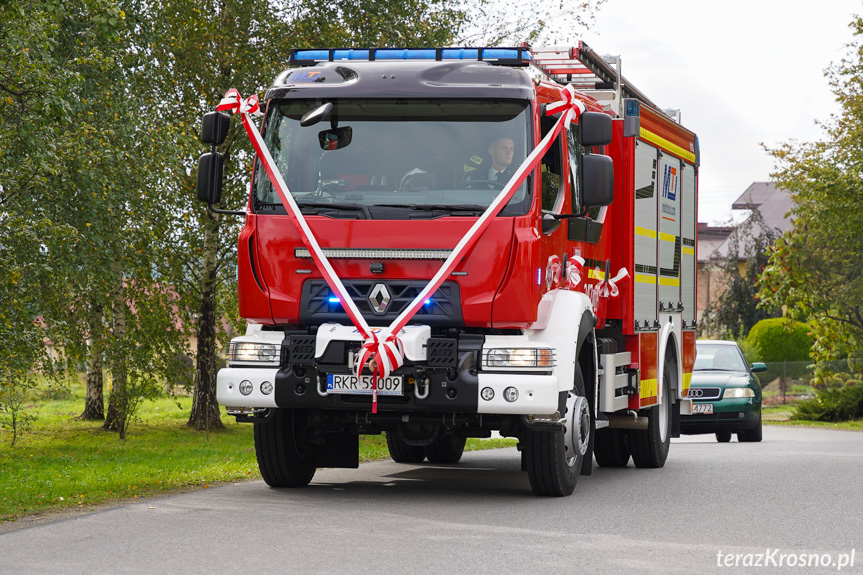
(799, 491)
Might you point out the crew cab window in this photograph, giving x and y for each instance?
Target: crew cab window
(397, 158)
(552, 166)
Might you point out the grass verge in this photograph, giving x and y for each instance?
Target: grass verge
(62, 463)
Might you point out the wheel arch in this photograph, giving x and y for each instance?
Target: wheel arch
(669, 347)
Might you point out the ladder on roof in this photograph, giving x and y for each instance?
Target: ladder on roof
(587, 71)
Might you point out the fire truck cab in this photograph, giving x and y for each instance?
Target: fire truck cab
(570, 323)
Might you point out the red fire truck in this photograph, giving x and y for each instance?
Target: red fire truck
(433, 251)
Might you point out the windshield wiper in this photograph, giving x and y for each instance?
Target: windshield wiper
(318, 208)
(432, 207)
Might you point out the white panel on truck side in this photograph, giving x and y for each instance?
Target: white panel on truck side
(669, 230)
(646, 229)
(688, 222)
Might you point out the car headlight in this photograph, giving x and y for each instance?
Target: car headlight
(519, 357)
(250, 351)
(736, 392)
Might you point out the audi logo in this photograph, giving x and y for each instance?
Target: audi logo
(695, 392)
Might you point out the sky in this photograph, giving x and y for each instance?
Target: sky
(742, 73)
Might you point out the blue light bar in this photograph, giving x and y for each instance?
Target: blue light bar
(508, 55)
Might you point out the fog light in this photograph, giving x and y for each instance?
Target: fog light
(267, 387)
(487, 393)
(510, 394)
(246, 387)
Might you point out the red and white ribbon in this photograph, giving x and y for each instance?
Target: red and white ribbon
(384, 350)
(574, 267)
(609, 286)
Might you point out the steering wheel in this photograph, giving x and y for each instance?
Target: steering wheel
(499, 185)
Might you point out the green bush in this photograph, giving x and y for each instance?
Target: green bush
(832, 404)
(777, 339)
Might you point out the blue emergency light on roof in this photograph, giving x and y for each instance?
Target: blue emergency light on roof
(519, 56)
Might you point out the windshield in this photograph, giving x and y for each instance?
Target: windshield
(718, 358)
(396, 158)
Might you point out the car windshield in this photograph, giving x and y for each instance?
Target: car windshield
(714, 357)
(396, 158)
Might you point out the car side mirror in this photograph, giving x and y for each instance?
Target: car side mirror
(758, 367)
(214, 128)
(597, 180)
(209, 184)
(594, 129)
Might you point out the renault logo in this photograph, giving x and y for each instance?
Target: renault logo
(380, 298)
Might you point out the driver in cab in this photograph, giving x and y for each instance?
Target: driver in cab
(495, 169)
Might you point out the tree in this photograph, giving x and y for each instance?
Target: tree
(737, 308)
(814, 272)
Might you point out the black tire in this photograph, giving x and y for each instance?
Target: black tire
(286, 457)
(447, 449)
(401, 452)
(551, 471)
(648, 447)
(753, 435)
(723, 436)
(610, 448)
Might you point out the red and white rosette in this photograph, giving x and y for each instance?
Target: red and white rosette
(383, 351)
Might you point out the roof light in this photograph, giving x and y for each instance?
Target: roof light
(366, 54)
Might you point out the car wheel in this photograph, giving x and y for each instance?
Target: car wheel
(649, 448)
(554, 458)
(401, 452)
(753, 435)
(446, 449)
(286, 456)
(723, 436)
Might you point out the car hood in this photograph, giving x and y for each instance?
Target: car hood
(719, 378)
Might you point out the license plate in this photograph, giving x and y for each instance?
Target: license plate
(705, 408)
(353, 385)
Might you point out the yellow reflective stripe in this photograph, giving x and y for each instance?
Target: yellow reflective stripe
(595, 274)
(645, 232)
(687, 379)
(688, 251)
(645, 279)
(669, 282)
(648, 388)
(667, 237)
(663, 143)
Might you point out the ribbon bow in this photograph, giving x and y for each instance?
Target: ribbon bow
(386, 356)
(574, 267)
(571, 106)
(609, 286)
(233, 101)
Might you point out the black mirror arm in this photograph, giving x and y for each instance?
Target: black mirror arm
(569, 216)
(229, 212)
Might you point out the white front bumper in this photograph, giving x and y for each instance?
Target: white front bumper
(537, 394)
(228, 386)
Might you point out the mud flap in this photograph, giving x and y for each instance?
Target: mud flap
(675, 419)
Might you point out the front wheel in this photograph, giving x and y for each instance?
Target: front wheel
(723, 436)
(401, 452)
(753, 435)
(649, 447)
(611, 448)
(286, 456)
(446, 449)
(554, 458)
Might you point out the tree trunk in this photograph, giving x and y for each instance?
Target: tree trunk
(118, 403)
(205, 408)
(94, 406)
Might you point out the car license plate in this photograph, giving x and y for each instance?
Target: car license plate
(704, 408)
(353, 385)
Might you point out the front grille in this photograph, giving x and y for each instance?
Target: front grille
(704, 393)
(301, 349)
(318, 304)
(442, 352)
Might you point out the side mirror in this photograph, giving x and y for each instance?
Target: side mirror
(597, 180)
(214, 128)
(210, 168)
(758, 366)
(594, 129)
(312, 117)
(335, 138)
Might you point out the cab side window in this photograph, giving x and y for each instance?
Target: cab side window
(552, 168)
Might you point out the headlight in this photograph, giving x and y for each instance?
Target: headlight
(520, 357)
(736, 392)
(253, 352)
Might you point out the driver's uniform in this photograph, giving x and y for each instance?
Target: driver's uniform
(479, 168)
